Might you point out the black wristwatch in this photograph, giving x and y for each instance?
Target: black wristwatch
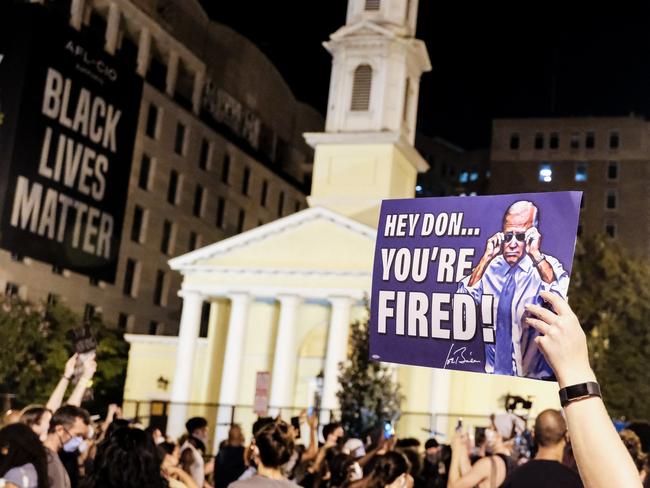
(580, 391)
(537, 263)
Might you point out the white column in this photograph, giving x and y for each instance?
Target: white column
(172, 73)
(197, 92)
(284, 358)
(112, 28)
(232, 361)
(188, 334)
(440, 396)
(77, 13)
(337, 349)
(144, 48)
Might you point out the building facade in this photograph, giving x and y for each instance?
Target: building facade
(605, 157)
(216, 153)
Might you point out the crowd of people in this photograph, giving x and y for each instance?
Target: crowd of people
(61, 446)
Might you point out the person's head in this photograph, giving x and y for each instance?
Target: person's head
(170, 454)
(197, 427)
(550, 429)
(19, 445)
(432, 450)
(519, 217)
(274, 444)
(633, 445)
(155, 434)
(38, 419)
(415, 463)
(69, 425)
(344, 469)
(389, 469)
(235, 435)
(128, 458)
(332, 432)
(260, 423)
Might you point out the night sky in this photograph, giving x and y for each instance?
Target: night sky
(496, 59)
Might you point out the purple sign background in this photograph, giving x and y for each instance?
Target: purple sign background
(558, 221)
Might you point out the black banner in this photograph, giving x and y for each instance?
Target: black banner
(68, 118)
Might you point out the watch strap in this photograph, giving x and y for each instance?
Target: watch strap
(580, 391)
(541, 258)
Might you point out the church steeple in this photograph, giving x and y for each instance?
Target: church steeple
(366, 152)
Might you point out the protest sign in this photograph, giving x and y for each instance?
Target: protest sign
(452, 276)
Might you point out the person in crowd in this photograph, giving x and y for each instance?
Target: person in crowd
(176, 477)
(272, 448)
(38, 419)
(193, 450)
(88, 371)
(546, 469)
(601, 457)
(487, 472)
(229, 462)
(333, 433)
(344, 470)
(127, 459)
(68, 428)
(390, 471)
(23, 462)
(633, 445)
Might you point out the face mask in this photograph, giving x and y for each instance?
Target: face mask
(83, 447)
(73, 444)
(357, 472)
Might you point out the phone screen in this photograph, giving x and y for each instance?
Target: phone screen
(388, 430)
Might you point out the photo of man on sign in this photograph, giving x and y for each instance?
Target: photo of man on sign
(514, 270)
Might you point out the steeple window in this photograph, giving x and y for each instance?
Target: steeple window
(361, 88)
(373, 4)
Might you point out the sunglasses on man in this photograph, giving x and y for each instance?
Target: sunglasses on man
(520, 236)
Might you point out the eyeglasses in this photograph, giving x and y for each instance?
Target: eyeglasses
(520, 236)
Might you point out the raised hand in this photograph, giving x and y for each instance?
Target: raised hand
(533, 241)
(494, 246)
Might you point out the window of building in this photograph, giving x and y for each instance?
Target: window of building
(539, 141)
(610, 229)
(131, 275)
(581, 171)
(123, 322)
(473, 176)
(12, 289)
(280, 203)
(57, 270)
(372, 5)
(139, 224)
(152, 121)
(204, 324)
(246, 181)
(361, 85)
(52, 299)
(296, 206)
(92, 281)
(168, 237)
(179, 142)
(612, 170)
(590, 140)
(90, 311)
(240, 221)
(144, 179)
(611, 202)
(554, 140)
(159, 294)
(514, 141)
(407, 100)
(154, 327)
(614, 140)
(194, 241)
(463, 177)
(265, 193)
(221, 210)
(545, 172)
(225, 169)
(574, 142)
(173, 189)
(204, 155)
(199, 197)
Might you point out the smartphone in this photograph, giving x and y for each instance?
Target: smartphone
(389, 430)
(295, 422)
(310, 411)
(459, 424)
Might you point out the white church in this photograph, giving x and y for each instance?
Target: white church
(282, 295)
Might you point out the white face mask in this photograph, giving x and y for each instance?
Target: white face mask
(357, 472)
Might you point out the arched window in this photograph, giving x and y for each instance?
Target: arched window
(361, 88)
(373, 4)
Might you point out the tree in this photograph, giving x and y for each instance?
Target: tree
(36, 344)
(368, 394)
(610, 293)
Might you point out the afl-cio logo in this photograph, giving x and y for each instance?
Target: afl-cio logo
(99, 66)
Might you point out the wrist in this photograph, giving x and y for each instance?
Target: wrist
(575, 376)
(66, 377)
(536, 256)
